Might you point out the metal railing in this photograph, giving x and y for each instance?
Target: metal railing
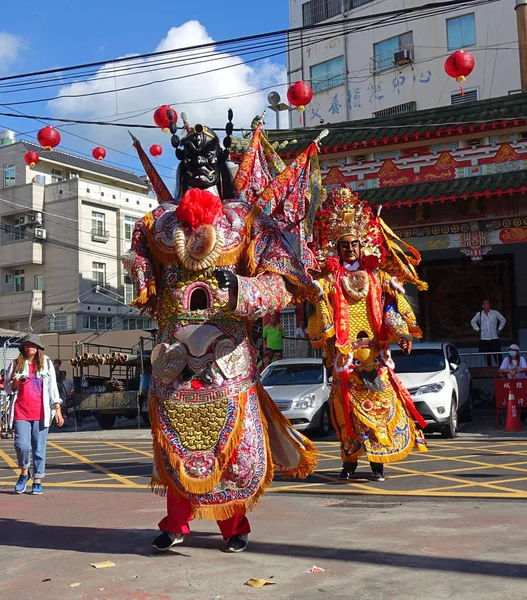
(476, 360)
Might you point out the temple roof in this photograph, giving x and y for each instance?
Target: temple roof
(466, 187)
(482, 116)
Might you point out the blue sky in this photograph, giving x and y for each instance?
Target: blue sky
(59, 33)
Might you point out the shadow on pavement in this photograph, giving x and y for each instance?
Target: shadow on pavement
(26, 534)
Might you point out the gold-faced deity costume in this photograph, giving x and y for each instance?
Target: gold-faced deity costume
(217, 435)
(362, 309)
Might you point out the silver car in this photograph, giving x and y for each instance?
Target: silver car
(300, 387)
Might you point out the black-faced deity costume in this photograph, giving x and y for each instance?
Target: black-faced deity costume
(205, 267)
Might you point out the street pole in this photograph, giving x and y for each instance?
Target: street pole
(521, 20)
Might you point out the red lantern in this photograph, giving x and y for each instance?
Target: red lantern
(98, 153)
(460, 65)
(300, 94)
(161, 118)
(31, 158)
(156, 150)
(48, 137)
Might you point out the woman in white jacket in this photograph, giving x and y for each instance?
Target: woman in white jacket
(35, 400)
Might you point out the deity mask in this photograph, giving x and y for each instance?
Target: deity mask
(201, 156)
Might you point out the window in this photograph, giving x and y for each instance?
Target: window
(9, 175)
(38, 282)
(328, 74)
(60, 323)
(129, 224)
(397, 110)
(56, 175)
(458, 98)
(99, 273)
(8, 279)
(19, 233)
(316, 11)
(129, 290)
(13, 324)
(139, 323)
(94, 323)
(461, 31)
(98, 222)
(383, 52)
(20, 280)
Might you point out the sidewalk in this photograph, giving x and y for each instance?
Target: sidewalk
(374, 549)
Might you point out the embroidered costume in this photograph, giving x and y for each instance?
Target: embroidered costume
(204, 268)
(362, 309)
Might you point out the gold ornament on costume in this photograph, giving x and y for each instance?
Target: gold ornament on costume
(356, 285)
(200, 249)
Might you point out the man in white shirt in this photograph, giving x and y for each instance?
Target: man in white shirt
(489, 323)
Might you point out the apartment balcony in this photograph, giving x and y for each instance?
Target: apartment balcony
(21, 199)
(18, 305)
(24, 252)
(99, 235)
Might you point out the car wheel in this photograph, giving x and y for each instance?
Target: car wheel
(449, 431)
(324, 427)
(467, 411)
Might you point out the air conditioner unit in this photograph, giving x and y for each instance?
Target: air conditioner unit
(404, 57)
(21, 220)
(35, 218)
(40, 234)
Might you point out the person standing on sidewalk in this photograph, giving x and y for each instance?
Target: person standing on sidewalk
(35, 400)
(273, 335)
(489, 323)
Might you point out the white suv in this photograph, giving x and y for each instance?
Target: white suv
(440, 385)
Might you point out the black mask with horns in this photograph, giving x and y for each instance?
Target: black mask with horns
(203, 160)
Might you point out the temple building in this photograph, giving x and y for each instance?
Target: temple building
(452, 182)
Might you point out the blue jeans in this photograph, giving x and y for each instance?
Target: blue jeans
(30, 437)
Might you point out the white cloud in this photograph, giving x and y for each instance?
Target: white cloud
(180, 93)
(10, 47)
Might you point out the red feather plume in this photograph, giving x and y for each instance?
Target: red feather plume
(198, 207)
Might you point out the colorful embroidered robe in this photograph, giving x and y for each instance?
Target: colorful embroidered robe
(360, 314)
(217, 435)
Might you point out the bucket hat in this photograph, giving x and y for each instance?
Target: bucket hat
(33, 338)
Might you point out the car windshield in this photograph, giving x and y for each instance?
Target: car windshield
(419, 361)
(293, 375)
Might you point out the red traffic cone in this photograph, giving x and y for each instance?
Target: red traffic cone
(513, 422)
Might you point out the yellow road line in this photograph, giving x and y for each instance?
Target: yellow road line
(115, 445)
(10, 462)
(96, 466)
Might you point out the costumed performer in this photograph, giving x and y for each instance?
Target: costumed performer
(362, 308)
(205, 266)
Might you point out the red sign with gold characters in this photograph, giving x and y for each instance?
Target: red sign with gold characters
(514, 235)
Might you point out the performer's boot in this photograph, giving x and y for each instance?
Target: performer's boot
(165, 540)
(378, 471)
(348, 470)
(237, 543)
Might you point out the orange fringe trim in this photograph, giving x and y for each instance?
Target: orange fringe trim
(309, 453)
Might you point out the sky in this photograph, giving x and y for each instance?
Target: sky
(58, 33)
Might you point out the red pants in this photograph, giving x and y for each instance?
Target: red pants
(179, 513)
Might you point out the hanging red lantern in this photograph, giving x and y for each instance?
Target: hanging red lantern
(460, 65)
(48, 137)
(162, 116)
(98, 153)
(156, 150)
(31, 158)
(299, 94)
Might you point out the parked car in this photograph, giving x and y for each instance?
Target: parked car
(440, 384)
(300, 387)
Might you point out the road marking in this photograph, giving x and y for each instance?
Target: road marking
(96, 466)
(10, 462)
(114, 444)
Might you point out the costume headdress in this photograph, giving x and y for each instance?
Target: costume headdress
(343, 213)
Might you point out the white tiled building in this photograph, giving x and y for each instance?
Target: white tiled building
(63, 226)
(399, 67)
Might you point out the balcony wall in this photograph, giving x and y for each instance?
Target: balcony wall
(25, 252)
(22, 198)
(14, 306)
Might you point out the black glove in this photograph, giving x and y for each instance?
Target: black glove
(226, 279)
